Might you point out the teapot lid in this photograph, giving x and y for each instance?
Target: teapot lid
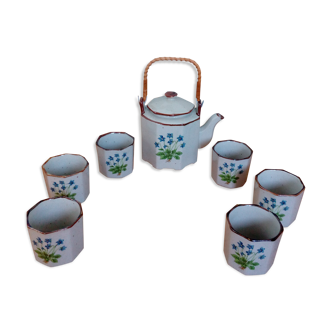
(170, 105)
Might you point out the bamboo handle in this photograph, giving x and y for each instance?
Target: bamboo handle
(145, 80)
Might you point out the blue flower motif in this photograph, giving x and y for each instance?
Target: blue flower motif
(35, 243)
(241, 172)
(170, 142)
(231, 169)
(268, 209)
(273, 206)
(220, 168)
(110, 158)
(161, 138)
(71, 182)
(249, 246)
(75, 187)
(273, 200)
(117, 160)
(39, 240)
(249, 252)
(262, 257)
(283, 202)
(48, 240)
(42, 248)
(170, 135)
(156, 144)
(260, 250)
(242, 254)
(265, 200)
(63, 187)
(116, 155)
(183, 145)
(48, 246)
(62, 182)
(60, 191)
(226, 165)
(232, 165)
(53, 189)
(63, 248)
(240, 166)
(107, 163)
(55, 184)
(124, 155)
(127, 158)
(234, 246)
(240, 244)
(227, 172)
(261, 204)
(59, 242)
(286, 208)
(180, 138)
(165, 146)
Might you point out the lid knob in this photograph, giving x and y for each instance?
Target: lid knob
(170, 94)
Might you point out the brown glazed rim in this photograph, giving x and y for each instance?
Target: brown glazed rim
(249, 239)
(281, 195)
(47, 199)
(231, 140)
(64, 176)
(163, 114)
(115, 132)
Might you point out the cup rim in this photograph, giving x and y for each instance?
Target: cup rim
(280, 195)
(231, 140)
(64, 176)
(250, 239)
(57, 230)
(115, 132)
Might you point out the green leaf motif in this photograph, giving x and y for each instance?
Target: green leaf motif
(246, 258)
(169, 149)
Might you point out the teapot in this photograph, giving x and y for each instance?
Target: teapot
(171, 132)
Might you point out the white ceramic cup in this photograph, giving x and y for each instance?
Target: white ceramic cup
(67, 175)
(252, 236)
(115, 154)
(230, 163)
(280, 192)
(55, 228)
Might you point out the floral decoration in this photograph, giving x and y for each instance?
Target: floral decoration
(169, 150)
(64, 190)
(47, 251)
(273, 206)
(229, 173)
(117, 165)
(245, 256)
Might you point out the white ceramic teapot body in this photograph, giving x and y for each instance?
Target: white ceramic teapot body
(171, 132)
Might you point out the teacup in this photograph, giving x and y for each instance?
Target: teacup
(115, 154)
(280, 192)
(252, 236)
(230, 163)
(55, 228)
(67, 175)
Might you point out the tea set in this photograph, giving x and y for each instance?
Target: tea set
(171, 137)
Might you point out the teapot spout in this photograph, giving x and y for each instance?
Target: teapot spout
(206, 131)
